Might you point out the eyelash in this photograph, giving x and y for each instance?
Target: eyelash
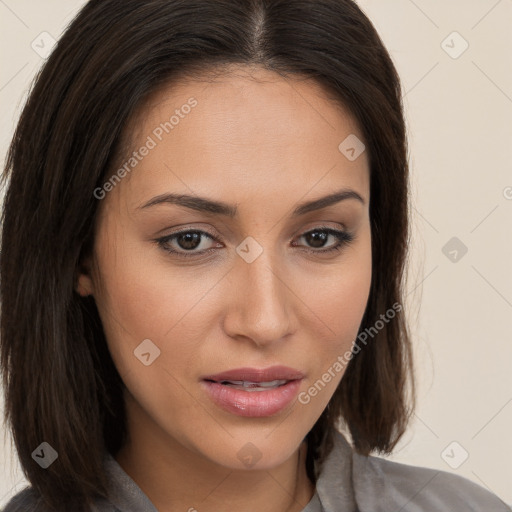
(344, 238)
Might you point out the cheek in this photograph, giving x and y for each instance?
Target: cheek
(148, 295)
(339, 303)
(340, 296)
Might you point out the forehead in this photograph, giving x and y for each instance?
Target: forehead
(249, 131)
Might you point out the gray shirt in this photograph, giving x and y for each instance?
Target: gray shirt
(348, 483)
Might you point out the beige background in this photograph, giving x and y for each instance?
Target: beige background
(459, 114)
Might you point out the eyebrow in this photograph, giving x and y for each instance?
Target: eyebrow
(205, 205)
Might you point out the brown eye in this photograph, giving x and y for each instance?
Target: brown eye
(317, 238)
(185, 243)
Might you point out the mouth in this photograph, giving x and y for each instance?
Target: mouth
(254, 392)
(247, 385)
(259, 376)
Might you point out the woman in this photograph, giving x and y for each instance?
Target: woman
(204, 240)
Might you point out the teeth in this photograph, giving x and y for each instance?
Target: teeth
(254, 386)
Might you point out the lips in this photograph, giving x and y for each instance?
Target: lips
(254, 375)
(246, 385)
(253, 392)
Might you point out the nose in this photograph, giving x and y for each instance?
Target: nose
(260, 304)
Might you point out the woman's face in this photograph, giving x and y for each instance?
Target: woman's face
(254, 284)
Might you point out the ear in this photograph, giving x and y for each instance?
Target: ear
(84, 284)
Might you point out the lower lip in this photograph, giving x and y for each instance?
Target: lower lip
(253, 404)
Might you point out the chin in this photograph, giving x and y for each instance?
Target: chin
(255, 452)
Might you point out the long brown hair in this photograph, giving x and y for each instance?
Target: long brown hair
(60, 383)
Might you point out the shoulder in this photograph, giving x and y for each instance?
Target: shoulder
(385, 485)
(27, 500)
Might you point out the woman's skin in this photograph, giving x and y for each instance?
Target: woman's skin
(265, 144)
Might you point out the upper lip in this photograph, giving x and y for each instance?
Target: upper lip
(257, 374)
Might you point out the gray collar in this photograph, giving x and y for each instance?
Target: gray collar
(334, 485)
